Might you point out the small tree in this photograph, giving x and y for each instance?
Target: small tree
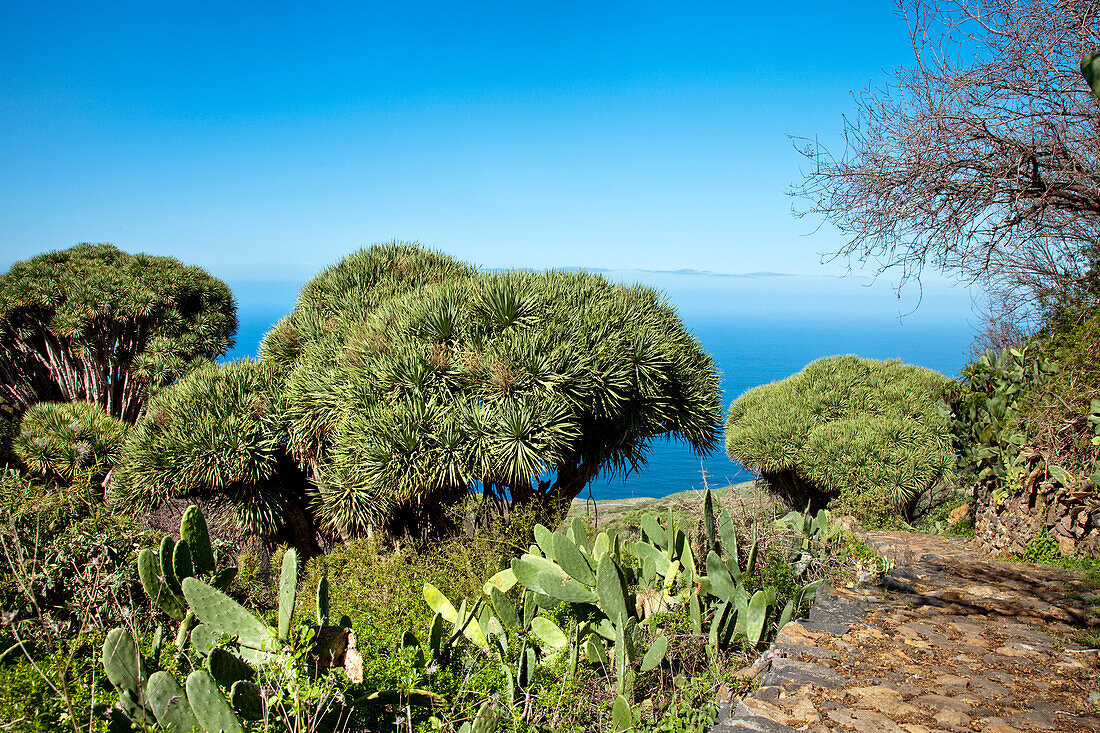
(868, 435)
(980, 159)
(69, 441)
(97, 324)
(433, 380)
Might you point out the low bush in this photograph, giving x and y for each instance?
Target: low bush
(1043, 550)
(987, 431)
(66, 559)
(69, 442)
(631, 635)
(861, 436)
(1062, 418)
(31, 703)
(66, 575)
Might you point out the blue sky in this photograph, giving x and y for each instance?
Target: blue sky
(264, 141)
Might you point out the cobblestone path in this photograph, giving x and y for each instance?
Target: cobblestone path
(951, 641)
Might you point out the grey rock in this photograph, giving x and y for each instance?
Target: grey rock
(793, 673)
(744, 719)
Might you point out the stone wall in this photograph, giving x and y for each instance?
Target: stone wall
(1070, 516)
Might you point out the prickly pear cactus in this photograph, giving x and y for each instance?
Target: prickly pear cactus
(193, 531)
(288, 591)
(123, 663)
(225, 616)
(169, 703)
(156, 588)
(209, 705)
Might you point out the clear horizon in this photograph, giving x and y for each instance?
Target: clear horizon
(264, 142)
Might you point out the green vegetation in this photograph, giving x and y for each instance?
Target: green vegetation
(1063, 415)
(69, 442)
(1043, 550)
(215, 435)
(242, 669)
(409, 395)
(986, 429)
(186, 652)
(858, 435)
(405, 380)
(94, 323)
(67, 569)
(1025, 421)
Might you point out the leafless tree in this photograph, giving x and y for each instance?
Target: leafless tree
(980, 158)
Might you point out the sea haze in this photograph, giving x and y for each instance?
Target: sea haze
(759, 328)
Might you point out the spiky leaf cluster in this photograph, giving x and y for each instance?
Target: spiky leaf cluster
(847, 428)
(67, 441)
(438, 379)
(95, 323)
(214, 433)
(340, 297)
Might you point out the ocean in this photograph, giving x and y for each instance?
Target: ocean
(759, 328)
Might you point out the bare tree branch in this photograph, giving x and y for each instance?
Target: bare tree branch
(980, 159)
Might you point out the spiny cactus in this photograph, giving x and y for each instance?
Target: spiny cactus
(169, 703)
(207, 615)
(609, 588)
(159, 696)
(288, 590)
(162, 573)
(209, 705)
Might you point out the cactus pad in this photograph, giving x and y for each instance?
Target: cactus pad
(225, 616)
(226, 668)
(169, 703)
(155, 587)
(123, 663)
(194, 532)
(209, 705)
(288, 591)
(245, 699)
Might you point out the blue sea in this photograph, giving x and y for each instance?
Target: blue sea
(759, 328)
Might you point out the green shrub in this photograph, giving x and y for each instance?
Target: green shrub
(67, 560)
(1043, 550)
(1062, 419)
(29, 704)
(69, 442)
(215, 435)
(66, 574)
(986, 427)
(862, 436)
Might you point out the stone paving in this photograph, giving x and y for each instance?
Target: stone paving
(951, 640)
